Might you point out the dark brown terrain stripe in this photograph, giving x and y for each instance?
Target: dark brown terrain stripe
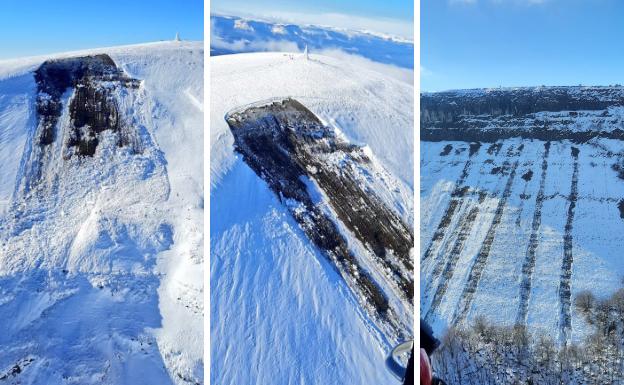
(449, 268)
(565, 322)
(476, 270)
(529, 261)
(454, 203)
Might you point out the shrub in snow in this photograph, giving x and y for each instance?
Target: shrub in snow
(482, 353)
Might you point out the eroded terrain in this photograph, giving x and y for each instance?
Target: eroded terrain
(325, 183)
(521, 195)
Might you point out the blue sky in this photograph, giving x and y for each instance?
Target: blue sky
(387, 16)
(491, 43)
(33, 27)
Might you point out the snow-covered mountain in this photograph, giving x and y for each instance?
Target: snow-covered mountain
(233, 34)
(522, 196)
(307, 285)
(101, 193)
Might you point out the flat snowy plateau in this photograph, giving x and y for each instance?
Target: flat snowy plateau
(280, 311)
(101, 260)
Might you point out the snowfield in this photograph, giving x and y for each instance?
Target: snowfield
(280, 312)
(101, 260)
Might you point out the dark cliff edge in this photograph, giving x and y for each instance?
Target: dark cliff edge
(543, 113)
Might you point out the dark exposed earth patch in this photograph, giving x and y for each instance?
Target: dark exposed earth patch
(286, 144)
(447, 150)
(527, 175)
(16, 369)
(494, 148)
(474, 148)
(496, 170)
(92, 108)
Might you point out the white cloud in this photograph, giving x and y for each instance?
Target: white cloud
(254, 45)
(381, 26)
(398, 73)
(217, 41)
(425, 72)
(242, 24)
(278, 29)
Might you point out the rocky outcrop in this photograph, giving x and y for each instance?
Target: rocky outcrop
(92, 108)
(445, 108)
(578, 114)
(289, 148)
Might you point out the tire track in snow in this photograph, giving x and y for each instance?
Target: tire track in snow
(449, 268)
(474, 276)
(456, 198)
(565, 322)
(529, 262)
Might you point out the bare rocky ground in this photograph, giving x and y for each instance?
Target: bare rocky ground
(306, 164)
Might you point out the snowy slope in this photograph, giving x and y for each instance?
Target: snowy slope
(528, 218)
(280, 312)
(334, 90)
(101, 256)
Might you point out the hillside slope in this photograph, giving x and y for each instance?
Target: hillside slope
(101, 216)
(284, 307)
(522, 205)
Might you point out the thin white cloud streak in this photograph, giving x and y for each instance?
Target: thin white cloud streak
(278, 29)
(381, 26)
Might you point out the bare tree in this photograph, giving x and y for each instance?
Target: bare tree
(584, 301)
